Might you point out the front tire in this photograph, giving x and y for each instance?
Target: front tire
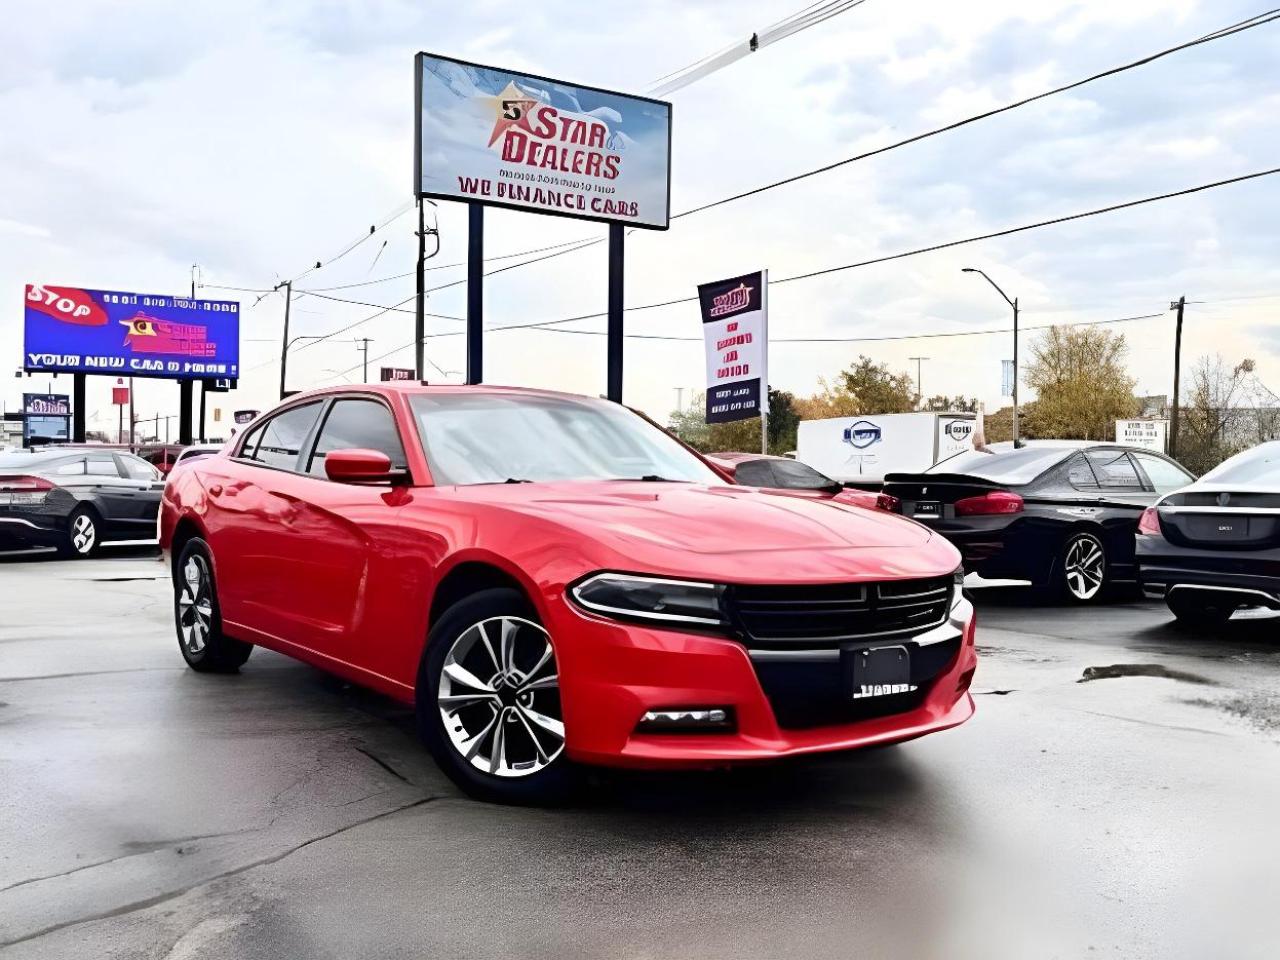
(1083, 568)
(1198, 614)
(488, 701)
(197, 617)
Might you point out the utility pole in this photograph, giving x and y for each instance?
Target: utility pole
(919, 389)
(1179, 305)
(204, 384)
(1013, 303)
(284, 350)
(363, 345)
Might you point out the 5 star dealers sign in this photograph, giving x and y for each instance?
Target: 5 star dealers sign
(735, 325)
(517, 140)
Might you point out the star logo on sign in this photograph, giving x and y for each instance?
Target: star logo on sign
(511, 108)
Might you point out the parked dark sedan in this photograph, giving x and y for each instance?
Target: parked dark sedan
(1214, 547)
(1061, 514)
(76, 500)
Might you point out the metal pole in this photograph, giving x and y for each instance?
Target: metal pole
(284, 351)
(77, 407)
(1015, 371)
(475, 292)
(764, 433)
(919, 388)
(614, 348)
(119, 423)
(364, 346)
(186, 391)
(1177, 376)
(420, 320)
(133, 423)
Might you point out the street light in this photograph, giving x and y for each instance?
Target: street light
(1013, 303)
(284, 355)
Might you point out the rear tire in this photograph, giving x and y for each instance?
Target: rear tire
(1198, 614)
(1083, 570)
(197, 617)
(84, 535)
(497, 728)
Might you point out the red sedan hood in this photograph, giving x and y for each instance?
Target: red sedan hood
(697, 528)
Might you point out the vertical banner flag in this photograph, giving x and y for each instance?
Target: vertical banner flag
(735, 325)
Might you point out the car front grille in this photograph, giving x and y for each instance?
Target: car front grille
(817, 616)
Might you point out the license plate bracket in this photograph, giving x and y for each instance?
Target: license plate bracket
(878, 672)
(928, 509)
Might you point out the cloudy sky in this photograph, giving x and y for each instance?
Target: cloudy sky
(253, 139)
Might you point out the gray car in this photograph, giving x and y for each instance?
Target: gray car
(75, 500)
(1214, 546)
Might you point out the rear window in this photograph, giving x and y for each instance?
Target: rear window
(1007, 466)
(1261, 465)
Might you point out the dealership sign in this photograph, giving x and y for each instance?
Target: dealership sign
(736, 330)
(1152, 434)
(391, 374)
(532, 143)
(46, 404)
(245, 416)
(72, 330)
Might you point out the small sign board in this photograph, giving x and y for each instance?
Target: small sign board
(390, 374)
(1152, 434)
(245, 416)
(735, 328)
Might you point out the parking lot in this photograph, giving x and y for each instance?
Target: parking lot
(1114, 796)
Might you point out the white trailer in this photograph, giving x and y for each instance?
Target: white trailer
(861, 450)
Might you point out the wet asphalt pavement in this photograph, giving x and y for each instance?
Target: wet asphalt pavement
(147, 811)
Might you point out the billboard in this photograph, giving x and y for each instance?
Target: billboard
(528, 142)
(46, 418)
(72, 330)
(735, 326)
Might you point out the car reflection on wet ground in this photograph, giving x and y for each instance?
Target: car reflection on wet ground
(1114, 796)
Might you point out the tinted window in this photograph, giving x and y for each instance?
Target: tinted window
(138, 469)
(1080, 474)
(1114, 469)
(1005, 466)
(358, 424)
(1259, 465)
(493, 437)
(102, 465)
(283, 436)
(1164, 476)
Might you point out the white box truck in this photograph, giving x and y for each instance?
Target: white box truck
(861, 450)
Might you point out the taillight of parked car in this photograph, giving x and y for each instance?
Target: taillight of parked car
(995, 503)
(887, 501)
(1149, 522)
(23, 491)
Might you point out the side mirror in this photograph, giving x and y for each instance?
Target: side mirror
(755, 473)
(360, 466)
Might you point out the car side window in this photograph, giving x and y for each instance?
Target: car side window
(71, 468)
(138, 469)
(1114, 469)
(283, 436)
(1080, 474)
(1164, 476)
(358, 424)
(102, 465)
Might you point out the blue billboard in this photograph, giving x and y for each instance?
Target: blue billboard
(72, 330)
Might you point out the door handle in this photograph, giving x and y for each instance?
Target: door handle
(215, 489)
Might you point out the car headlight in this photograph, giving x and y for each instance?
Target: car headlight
(655, 599)
(957, 592)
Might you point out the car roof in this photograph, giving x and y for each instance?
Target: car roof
(443, 389)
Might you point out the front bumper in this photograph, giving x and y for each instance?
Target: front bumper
(612, 673)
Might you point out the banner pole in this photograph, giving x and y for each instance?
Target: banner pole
(614, 348)
(475, 292)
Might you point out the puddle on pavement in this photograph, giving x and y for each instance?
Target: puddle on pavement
(1117, 670)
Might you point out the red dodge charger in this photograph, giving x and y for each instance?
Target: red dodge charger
(552, 580)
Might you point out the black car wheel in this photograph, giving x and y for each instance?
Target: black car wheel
(488, 701)
(1082, 567)
(196, 615)
(1195, 612)
(82, 534)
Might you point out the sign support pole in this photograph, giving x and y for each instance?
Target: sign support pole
(204, 390)
(185, 396)
(616, 237)
(420, 308)
(77, 407)
(475, 292)
(1179, 305)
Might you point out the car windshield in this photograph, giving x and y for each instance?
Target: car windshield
(494, 438)
(1006, 466)
(1261, 465)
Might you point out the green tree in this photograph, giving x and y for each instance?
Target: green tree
(878, 389)
(1081, 383)
(741, 436)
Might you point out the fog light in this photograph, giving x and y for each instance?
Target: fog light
(697, 718)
